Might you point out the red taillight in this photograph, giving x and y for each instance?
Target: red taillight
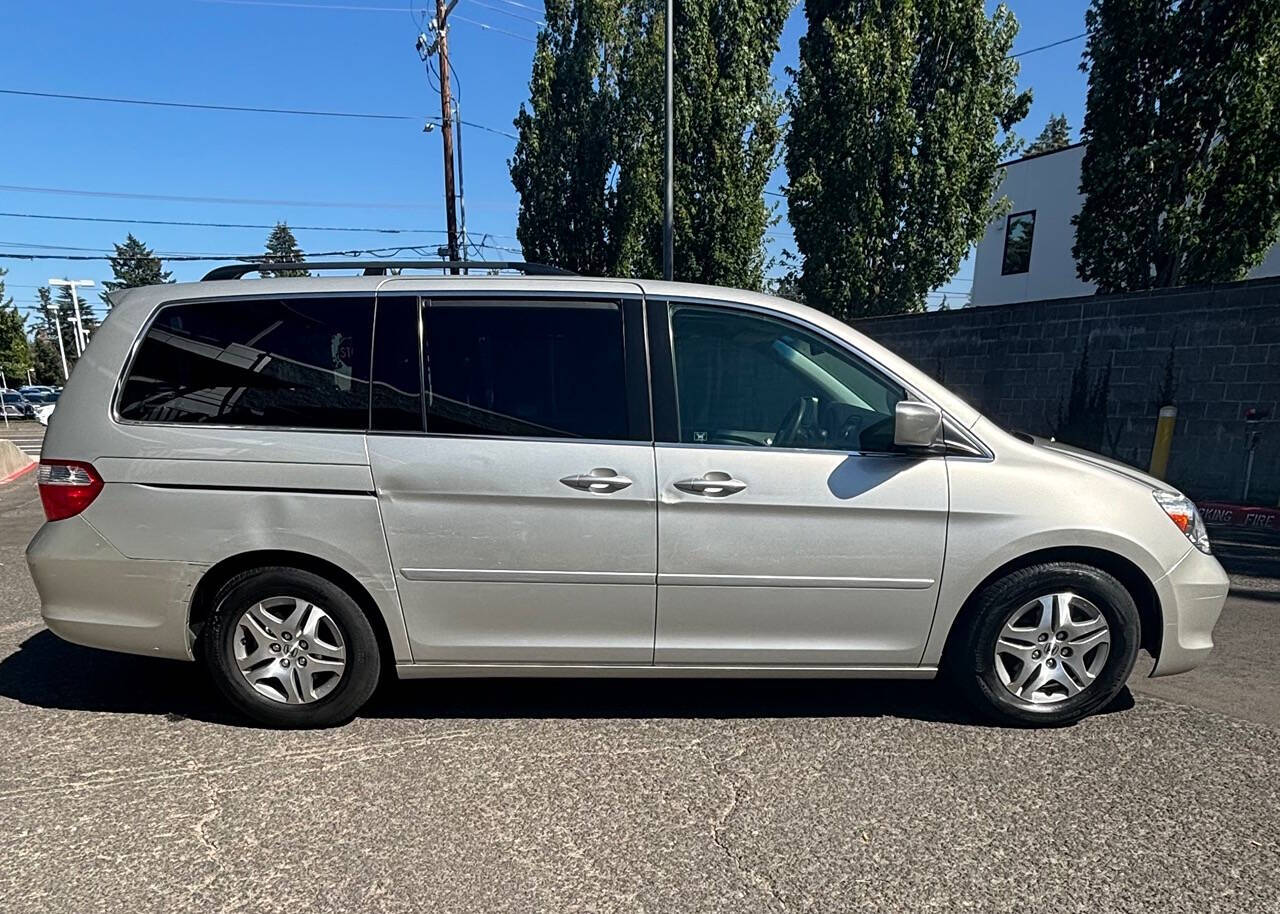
(67, 487)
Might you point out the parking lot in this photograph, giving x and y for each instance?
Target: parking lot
(125, 786)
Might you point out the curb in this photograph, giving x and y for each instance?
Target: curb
(18, 473)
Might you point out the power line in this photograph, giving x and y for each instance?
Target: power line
(493, 28)
(238, 225)
(497, 9)
(251, 109)
(286, 4)
(1052, 44)
(176, 198)
(374, 255)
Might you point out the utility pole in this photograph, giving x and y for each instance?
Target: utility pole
(668, 241)
(440, 26)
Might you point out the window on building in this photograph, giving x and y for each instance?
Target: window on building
(549, 369)
(283, 362)
(1019, 229)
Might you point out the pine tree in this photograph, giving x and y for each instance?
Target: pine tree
(898, 113)
(1181, 174)
(45, 358)
(282, 247)
(64, 310)
(1055, 135)
(133, 265)
(15, 352)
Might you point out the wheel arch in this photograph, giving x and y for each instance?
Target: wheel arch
(1133, 578)
(206, 589)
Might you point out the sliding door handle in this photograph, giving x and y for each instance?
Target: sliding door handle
(600, 481)
(711, 485)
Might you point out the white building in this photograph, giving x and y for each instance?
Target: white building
(1026, 255)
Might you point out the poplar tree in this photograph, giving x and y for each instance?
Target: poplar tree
(901, 113)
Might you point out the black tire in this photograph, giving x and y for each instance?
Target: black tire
(971, 663)
(363, 658)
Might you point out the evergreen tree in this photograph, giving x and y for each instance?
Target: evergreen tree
(45, 358)
(133, 265)
(901, 112)
(15, 352)
(1181, 174)
(1055, 135)
(564, 162)
(282, 247)
(64, 310)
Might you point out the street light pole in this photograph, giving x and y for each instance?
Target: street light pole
(668, 253)
(62, 350)
(81, 339)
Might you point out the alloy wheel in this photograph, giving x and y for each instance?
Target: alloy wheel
(289, 650)
(1052, 648)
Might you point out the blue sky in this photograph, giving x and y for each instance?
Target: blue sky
(355, 56)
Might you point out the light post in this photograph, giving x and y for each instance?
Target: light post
(81, 342)
(668, 230)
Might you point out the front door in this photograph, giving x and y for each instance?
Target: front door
(522, 523)
(790, 529)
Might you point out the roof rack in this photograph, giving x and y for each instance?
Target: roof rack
(380, 268)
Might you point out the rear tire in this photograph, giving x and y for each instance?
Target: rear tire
(290, 649)
(1046, 645)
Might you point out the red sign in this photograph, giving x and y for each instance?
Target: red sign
(1227, 514)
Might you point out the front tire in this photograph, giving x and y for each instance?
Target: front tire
(1046, 645)
(290, 648)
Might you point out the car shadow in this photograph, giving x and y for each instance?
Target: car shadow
(48, 672)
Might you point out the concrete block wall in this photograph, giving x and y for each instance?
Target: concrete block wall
(1015, 362)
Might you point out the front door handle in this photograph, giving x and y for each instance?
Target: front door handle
(712, 485)
(599, 481)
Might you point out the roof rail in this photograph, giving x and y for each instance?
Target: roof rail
(380, 268)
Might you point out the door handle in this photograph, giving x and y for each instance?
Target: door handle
(599, 481)
(712, 485)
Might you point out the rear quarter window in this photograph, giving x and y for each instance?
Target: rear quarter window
(280, 362)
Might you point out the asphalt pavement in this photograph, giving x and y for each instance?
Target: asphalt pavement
(126, 786)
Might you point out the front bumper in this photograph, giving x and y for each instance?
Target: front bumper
(93, 595)
(1191, 595)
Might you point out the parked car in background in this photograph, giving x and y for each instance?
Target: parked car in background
(552, 475)
(16, 406)
(42, 403)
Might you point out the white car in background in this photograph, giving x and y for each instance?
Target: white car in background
(42, 401)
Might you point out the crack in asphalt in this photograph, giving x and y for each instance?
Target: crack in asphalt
(757, 880)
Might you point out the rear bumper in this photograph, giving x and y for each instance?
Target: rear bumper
(1191, 595)
(90, 594)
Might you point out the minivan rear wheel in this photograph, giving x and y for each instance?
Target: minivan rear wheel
(1049, 644)
(290, 648)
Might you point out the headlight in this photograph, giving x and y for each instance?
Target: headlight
(1183, 513)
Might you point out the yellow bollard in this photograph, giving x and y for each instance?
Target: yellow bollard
(1164, 441)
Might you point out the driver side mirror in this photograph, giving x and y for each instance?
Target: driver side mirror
(917, 425)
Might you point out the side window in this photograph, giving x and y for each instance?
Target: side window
(746, 379)
(284, 362)
(397, 374)
(538, 369)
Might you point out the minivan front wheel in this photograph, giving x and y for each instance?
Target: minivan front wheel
(1048, 644)
(290, 648)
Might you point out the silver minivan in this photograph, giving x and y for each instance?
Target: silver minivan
(310, 483)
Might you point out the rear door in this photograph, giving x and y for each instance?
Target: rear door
(513, 458)
(791, 530)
